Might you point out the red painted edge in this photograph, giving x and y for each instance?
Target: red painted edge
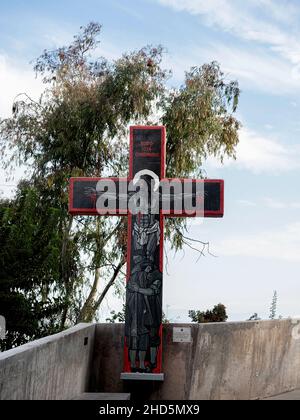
(159, 367)
(129, 233)
(126, 361)
(71, 195)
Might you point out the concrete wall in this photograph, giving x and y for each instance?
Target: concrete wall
(53, 368)
(248, 360)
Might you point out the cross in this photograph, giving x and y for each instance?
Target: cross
(146, 197)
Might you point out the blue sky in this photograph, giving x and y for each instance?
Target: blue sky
(256, 42)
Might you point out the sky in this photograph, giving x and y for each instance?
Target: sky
(257, 42)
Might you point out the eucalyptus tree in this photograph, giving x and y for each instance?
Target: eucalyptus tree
(79, 127)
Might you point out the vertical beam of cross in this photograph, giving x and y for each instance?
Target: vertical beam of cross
(143, 331)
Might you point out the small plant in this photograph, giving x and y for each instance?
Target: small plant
(217, 314)
(254, 317)
(165, 320)
(117, 317)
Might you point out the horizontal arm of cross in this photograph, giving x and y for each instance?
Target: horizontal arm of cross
(176, 197)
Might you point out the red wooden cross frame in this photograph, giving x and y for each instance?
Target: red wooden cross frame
(172, 198)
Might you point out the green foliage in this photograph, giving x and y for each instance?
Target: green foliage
(62, 267)
(30, 272)
(273, 308)
(217, 314)
(117, 317)
(199, 120)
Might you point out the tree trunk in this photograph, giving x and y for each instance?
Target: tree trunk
(87, 312)
(65, 272)
(91, 305)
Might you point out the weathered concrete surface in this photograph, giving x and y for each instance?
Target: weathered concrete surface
(249, 360)
(53, 368)
(108, 358)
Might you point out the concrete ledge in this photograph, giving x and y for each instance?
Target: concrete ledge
(52, 368)
(102, 397)
(158, 377)
(44, 341)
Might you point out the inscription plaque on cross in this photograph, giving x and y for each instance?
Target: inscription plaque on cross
(146, 197)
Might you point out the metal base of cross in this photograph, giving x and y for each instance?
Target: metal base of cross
(157, 377)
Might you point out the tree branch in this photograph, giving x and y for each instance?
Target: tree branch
(109, 284)
(205, 245)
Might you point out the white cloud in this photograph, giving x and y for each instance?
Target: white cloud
(283, 11)
(270, 202)
(274, 63)
(279, 204)
(282, 244)
(246, 203)
(260, 154)
(255, 68)
(15, 79)
(244, 20)
(275, 204)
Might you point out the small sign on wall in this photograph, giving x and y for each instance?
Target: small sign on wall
(182, 335)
